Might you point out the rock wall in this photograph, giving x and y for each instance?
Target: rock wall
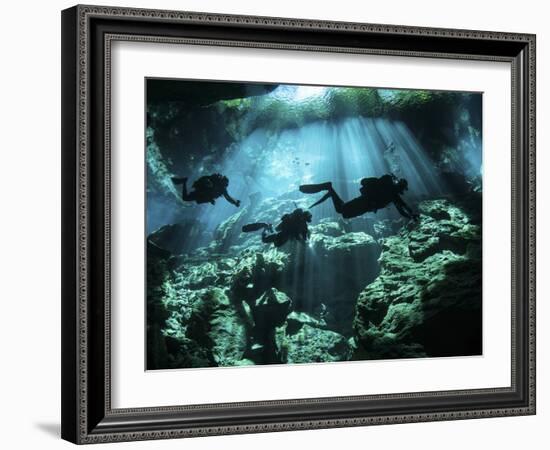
(427, 299)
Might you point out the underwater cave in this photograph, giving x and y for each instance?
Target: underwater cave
(383, 284)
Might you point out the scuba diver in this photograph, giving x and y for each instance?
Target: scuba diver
(206, 189)
(376, 193)
(292, 226)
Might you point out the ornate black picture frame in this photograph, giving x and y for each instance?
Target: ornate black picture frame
(87, 34)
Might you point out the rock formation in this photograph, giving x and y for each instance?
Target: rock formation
(427, 299)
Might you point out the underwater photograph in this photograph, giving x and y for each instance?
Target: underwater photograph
(290, 224)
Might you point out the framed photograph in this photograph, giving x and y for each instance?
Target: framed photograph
(281, 224)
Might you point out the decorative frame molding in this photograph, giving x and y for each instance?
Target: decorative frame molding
(87, 34)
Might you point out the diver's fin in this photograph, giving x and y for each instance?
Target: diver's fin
(178, 180)
(321, 200)
(314, 188)
(254, 227)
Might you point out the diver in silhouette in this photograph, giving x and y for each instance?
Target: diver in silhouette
(206, 189)
(376, 193)
(293, 226)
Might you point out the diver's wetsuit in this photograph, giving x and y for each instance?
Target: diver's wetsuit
(376, 193)
(293, 226)
(206, 189)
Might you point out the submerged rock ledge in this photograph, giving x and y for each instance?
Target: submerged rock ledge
(412, 292)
